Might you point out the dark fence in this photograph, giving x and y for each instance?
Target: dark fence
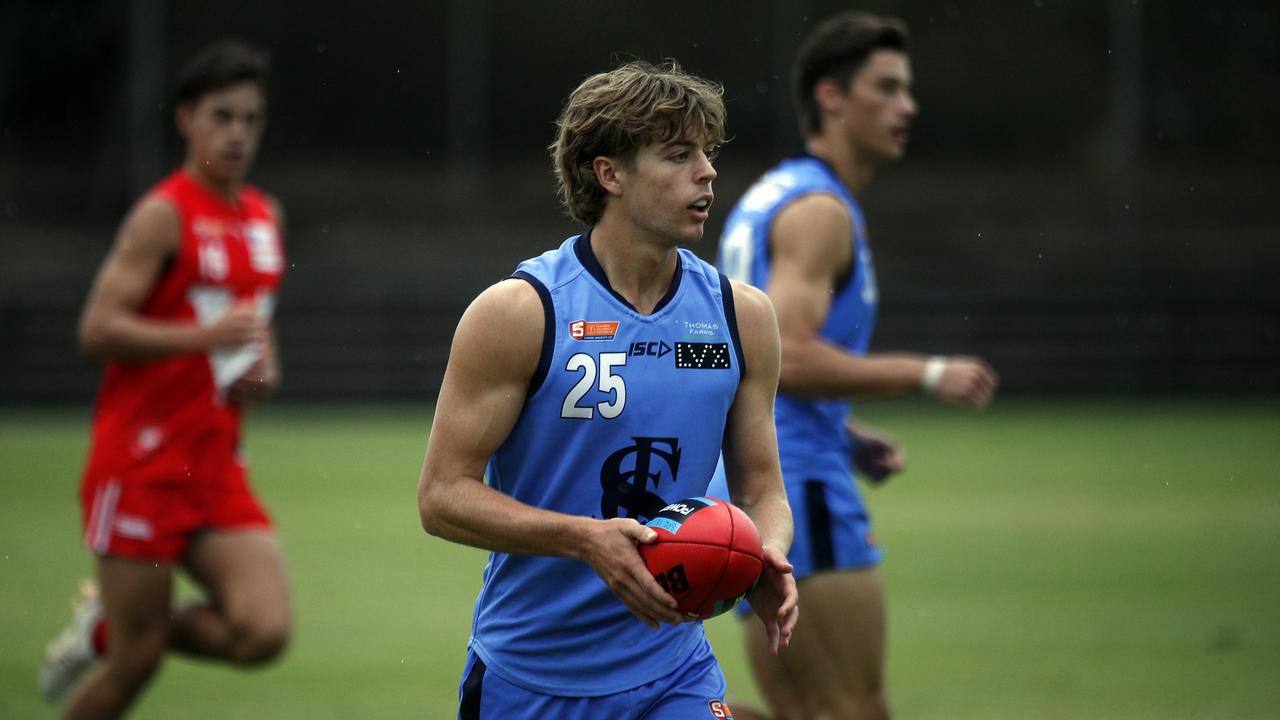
(1068, 280)
(1040, 345)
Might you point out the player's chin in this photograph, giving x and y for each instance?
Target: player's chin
(693, 233)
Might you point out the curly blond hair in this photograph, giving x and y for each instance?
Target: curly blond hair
(614, 114)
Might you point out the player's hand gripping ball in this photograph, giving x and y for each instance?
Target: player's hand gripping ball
(707, 555)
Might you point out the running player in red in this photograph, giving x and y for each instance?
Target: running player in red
(181, 310)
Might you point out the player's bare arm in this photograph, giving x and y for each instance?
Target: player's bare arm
(494, 355)
(751, 463)
(110, 325)
(811, 253)
(263, 377)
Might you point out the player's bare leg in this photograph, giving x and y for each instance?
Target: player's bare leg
(834, 668)
(246, 618)
(771, 676)
(135, 600)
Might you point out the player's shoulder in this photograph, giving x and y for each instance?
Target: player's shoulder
(555, 267)
(503, 327)
(153, 221)
(816, 223)
(174, 184)
(252, 194)
(757, 328)
(506, 306)
(274, 206)
(751, 304)
(818, 207)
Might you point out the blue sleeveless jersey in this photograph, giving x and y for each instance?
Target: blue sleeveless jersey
(805, 425)
(625, 414)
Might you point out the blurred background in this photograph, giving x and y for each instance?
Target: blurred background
(1089, 198)
(1089, 201)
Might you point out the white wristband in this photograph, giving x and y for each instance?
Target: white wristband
(934, 367)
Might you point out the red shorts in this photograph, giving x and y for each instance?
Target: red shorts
(155, 519)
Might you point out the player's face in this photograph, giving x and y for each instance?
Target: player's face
(222, 130)
(667, 191)
(880, 106)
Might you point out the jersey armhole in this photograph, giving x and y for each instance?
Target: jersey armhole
(847, 277)
(171, 260)
(548, 331)
(731, 317)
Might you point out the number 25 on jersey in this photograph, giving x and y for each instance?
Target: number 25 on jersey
(599, 375)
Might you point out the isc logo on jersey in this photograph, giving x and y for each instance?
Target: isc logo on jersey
(593, 329)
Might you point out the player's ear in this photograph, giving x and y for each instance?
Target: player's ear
(606, 169)
(182, 118)
(829, 96)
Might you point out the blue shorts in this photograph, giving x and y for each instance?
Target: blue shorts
(695, 690)
(832, 529)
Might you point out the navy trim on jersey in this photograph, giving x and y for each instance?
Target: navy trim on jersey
(853, 262)
(586, 256)
(469, 705)
(731, 315)
(548, 331)
(820, 542)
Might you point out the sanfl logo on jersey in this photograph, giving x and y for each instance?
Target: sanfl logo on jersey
(593, 329)
(720, 710)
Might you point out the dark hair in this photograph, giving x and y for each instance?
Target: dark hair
(616, 113)
(836, 50)
(221, 65)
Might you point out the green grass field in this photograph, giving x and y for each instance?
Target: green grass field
(1044, 560)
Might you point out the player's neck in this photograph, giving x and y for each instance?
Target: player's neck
(638, 268)
(227, 189)
(854, 171)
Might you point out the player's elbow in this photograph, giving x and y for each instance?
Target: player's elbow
(426, 514)
(92, 337)
(429, 508)
(796, 378)
(796, 369)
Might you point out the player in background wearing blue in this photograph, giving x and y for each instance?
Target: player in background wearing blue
(596, 385)
(799, 234)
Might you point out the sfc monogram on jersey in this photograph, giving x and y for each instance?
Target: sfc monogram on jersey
(626, 490)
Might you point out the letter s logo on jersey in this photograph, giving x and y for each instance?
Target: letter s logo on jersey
(720, 710)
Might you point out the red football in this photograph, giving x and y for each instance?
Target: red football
(707, 555)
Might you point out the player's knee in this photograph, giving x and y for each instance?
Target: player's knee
(854, 706)
(256, 642)
(874, 707)
(868, 706)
